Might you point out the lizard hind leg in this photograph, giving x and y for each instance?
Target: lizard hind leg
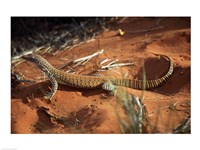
(109, 87)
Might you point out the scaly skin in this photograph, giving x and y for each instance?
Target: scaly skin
(56, 76)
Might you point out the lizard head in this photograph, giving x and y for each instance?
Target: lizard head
(37, 60)
(34, 58)
(31, 57)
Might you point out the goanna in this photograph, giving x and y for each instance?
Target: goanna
(88, 82)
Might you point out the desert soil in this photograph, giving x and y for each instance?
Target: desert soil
(74, 110)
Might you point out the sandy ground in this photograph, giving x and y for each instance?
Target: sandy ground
(88, 111)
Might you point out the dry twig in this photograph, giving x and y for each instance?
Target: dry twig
(84, 60)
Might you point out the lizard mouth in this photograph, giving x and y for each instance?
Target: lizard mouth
(28, 57)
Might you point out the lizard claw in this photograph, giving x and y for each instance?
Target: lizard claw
(48, 96)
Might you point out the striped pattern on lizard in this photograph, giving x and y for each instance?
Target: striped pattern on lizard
(89, 82)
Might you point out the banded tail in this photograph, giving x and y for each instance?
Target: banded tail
(149, 84)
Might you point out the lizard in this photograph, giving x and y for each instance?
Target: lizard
(89, 82)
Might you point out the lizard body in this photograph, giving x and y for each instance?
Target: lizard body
(89, 82)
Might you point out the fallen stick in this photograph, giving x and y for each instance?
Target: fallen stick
(82, 61)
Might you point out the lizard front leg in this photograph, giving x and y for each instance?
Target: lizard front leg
(54, 83)
(109, 87)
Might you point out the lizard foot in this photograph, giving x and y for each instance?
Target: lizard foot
(48, 96)
(109, 87)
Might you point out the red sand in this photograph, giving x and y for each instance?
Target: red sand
(86, 111)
